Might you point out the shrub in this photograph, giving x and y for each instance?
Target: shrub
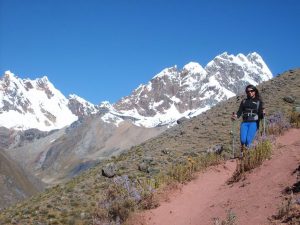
(185, 171)
(285, 209)
(295, 119)
(125, 195)
(252, 158)
(230, 219)
(277, 124)
(119, 200)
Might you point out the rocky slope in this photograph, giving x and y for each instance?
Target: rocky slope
(15, 183)
(59, 155)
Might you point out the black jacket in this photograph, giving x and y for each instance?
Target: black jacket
(251, 109)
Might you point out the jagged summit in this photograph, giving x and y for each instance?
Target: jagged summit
(26, 103)
(171, 71)
(174, 93)
(194, 68)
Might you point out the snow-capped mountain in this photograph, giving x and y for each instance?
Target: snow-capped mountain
(171, 94)
(26, 103)
(174, 93)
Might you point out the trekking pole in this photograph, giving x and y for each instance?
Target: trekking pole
(233, 135)
(264, 124)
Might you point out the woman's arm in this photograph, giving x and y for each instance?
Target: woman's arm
(240, 111)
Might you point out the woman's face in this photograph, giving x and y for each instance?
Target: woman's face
(250, 92)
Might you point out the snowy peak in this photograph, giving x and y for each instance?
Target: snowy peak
(235, 72)
(252, 64)
(10, 82)
(256, 59)
(26, 103)
(194, 68)
(174, 93)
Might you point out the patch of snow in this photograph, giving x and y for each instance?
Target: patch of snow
(110, 118)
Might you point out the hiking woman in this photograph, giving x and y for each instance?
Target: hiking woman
(252, 111)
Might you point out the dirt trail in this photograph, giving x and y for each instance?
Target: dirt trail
(252, 200)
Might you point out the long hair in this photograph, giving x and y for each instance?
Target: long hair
(257, 96)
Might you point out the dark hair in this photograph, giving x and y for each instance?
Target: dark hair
(255, 89)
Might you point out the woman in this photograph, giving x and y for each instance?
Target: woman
(252, 111)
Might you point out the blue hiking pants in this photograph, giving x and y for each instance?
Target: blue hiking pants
(248, 132)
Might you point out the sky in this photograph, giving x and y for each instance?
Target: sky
(101, 50)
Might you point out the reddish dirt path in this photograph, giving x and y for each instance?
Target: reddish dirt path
(252, 200)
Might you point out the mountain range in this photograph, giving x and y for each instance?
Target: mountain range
(171, 94)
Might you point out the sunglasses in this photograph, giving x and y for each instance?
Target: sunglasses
(248, 91)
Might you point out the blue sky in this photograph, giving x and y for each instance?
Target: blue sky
(103, 49)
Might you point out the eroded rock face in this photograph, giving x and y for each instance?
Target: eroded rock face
(81, 108)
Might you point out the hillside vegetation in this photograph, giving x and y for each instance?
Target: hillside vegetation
(92, 198)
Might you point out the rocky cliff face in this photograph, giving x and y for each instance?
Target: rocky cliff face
(81, 107)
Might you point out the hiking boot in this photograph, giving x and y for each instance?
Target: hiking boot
(243, 149)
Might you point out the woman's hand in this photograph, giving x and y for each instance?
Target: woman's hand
(233, 116)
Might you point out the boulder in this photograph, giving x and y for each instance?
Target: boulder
(289, 99)
(109, 170)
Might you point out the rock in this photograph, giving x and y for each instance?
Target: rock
(109, 170)
(216, 149)
(147, 159)
(143, 167)
(153, 170)
(190, 154)
(289, 99)
(165, 151)
(181, 120)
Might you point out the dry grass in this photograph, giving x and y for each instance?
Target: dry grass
(288, 212)
(186, 170)
(230, 219)
(251, 159)
(295, 119)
